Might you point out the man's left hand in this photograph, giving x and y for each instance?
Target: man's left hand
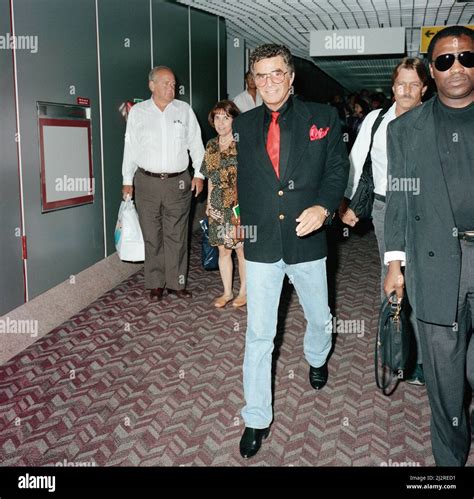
(198, 184)
(310, 220)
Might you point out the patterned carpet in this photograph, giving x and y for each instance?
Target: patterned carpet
(131, 382)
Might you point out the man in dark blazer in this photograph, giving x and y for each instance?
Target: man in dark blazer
(432, 231)
(292, 172)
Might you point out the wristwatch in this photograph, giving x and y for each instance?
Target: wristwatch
(328, 218)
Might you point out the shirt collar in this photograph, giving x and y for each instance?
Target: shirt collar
(283, 109)
(453, 110)
(156, 108)
(391, 111)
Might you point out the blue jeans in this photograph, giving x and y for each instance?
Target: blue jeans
(264, 284)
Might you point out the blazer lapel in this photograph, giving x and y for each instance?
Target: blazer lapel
(427, 164)
(299, 138)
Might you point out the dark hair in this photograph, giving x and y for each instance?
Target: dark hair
(363, 104)
(455, 31)
(229, 108)
(272, 50)
(412, 63)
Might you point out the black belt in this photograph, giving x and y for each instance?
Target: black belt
(163, 176)
(379, 197)
(467, 235)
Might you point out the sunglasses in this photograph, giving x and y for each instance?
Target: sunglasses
(445, 61)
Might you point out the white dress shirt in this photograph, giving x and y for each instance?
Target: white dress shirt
(244, 101)
(158, 141)
(378, 155)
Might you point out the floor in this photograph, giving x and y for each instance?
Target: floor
(132, 382)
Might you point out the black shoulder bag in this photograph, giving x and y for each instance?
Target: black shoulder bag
(363, 200)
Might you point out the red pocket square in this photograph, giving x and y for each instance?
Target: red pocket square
(316, 133)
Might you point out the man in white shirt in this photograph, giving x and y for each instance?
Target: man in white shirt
(160, 132)
(249, 98)
(409, 83)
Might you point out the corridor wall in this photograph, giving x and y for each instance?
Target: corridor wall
(101, 50)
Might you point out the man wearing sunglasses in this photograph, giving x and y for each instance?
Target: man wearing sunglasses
(433, 233)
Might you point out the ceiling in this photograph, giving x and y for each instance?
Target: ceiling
(289, 22)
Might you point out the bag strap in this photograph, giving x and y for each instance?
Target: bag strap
(378, 381)
(368, 160)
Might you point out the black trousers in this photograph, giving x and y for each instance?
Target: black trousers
(448, 364)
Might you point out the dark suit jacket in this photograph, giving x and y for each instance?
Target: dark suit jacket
(423, 225)
(314, 173)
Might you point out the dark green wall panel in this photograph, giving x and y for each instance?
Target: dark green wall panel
(63, 242)
(204, 45)
(125, 53)
(171, 42)
(223, 58)
(11, 272)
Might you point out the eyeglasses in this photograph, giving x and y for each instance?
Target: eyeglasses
(445, 61)
(276, 76)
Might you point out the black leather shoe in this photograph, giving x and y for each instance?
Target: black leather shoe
(251, 441)
(318, 376)
(156, 294)
(180, 293)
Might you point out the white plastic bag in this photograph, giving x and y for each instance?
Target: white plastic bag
(128, 234)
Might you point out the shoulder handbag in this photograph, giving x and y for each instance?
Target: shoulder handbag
(209, 254)
(363, 200)
(392, 347)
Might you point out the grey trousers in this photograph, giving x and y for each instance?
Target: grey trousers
(449, 362)
(163, 209)
(378, 219)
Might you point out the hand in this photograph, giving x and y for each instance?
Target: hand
(236, 229)
(343, 206)
(198, 184)
(349, 218)
(310, 220)
(207, 209)
(394, 281)
(127, 190)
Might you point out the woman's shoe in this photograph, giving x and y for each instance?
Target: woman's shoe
(222, 301)
(240, 301)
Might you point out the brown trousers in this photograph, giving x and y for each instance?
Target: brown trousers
(163, 209)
